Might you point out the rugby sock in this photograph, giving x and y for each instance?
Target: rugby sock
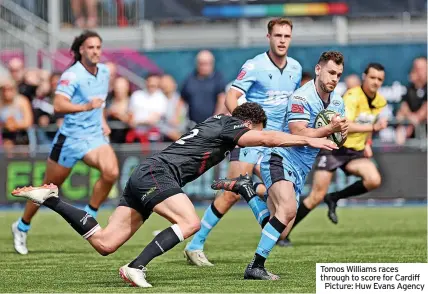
(81, 221)
(163, 242)
(91, 210)
(209, 221)
(355, 189)
(260, 210)
(23, 226)
(270, 234)
(257, 205)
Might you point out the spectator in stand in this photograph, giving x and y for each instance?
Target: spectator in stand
(44, 114)
(203, 90)
(91, 13)
(147, 107)
(174, 122)
(414, 103)
(27, 81)
(352, 81)
(118, 110)
(16, 116)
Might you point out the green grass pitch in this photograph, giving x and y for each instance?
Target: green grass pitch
(61, 261)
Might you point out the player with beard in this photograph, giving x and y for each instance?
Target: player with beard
(269, 79)
(363, 104)
(80, 95)
(284, 170)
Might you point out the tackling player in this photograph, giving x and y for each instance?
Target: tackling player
(155, 185)
(363, 104)
(284, 170)
(80, 94)
(268, 79)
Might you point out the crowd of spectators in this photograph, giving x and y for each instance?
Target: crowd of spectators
(160, 112)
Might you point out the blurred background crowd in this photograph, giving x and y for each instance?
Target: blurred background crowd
(159, 108)
(162, 111)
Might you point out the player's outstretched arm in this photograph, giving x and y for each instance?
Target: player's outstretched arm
(280, 139)
(62, 104)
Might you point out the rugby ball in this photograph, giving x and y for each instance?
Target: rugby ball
(323, 118)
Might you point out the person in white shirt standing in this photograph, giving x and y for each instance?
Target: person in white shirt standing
(147, 107)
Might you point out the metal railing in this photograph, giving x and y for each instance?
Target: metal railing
(419, 142)
(26, 30)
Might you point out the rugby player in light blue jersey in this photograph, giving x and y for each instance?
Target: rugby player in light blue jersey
(80, 95)
(269, 79)
(284, 170)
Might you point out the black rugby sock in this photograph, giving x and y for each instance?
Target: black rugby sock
(164, 241)
(302, 212)
(81, 221)
(355, 189)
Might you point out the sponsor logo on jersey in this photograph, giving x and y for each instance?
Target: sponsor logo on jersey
(336, 103)
(239, 126)
(299, 98)
(241, 74)
(296, 108)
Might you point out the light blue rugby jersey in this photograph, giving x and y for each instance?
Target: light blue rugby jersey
(263, 82)
(304, 105)
(81, 87)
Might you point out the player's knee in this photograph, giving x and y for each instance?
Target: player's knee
(373, 182)
(190, 227)
(286, 214)
(110, 175)
(106, 249)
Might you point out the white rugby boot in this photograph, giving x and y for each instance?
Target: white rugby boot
(135, 277)
(197, 257)
(37, 194)
(19, 239)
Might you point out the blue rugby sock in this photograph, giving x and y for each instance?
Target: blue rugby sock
(209, 221)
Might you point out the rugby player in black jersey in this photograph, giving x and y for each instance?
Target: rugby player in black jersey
(155, 185)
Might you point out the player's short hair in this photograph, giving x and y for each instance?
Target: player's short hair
(279, 21)
(250, 111)
(79, 40)
(335, 56)
(375, 65)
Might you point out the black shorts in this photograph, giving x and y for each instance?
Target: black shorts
(331, 160)
(151, 183)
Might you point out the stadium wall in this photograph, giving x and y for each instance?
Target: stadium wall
(397, 59)
(404, 177)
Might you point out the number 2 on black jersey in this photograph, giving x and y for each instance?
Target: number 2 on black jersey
(193, 132)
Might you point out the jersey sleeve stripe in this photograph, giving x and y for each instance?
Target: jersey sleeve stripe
(63, 94)
(299, 119)
(239, 89)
